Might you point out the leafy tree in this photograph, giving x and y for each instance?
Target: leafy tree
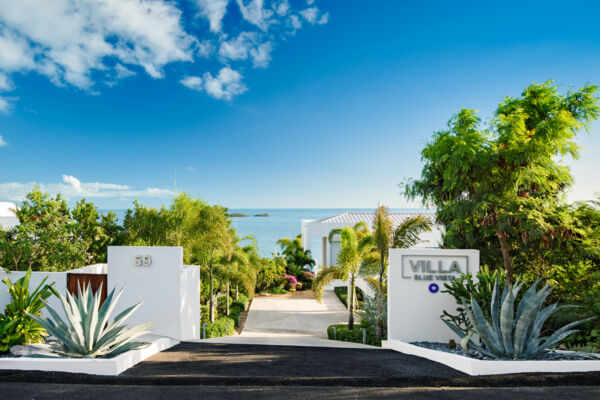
(500, 188)
(96, 231)
(146, 226)
(44, 240)
(357, 251)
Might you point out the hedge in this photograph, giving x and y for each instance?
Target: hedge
(342, 294)
(356, 335)
(223, 326)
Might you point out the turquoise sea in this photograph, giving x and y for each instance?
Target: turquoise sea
(281, 222)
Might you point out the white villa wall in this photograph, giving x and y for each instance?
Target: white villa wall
(413, 311)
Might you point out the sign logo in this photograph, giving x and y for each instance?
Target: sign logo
(434, 268)
(434, 288)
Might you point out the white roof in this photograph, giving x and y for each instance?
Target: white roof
(8, 222)
(368, 217)
(7, 209)
(8, 219)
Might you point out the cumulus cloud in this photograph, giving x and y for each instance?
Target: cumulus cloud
(73, 42)
(314, 16)
(261, 55)
(226, 85)
(66, 40)
(71, 187)
(214, 11)
(254, 12)
(192, 82)
(238, 48)
(3, 142)
(247, 45)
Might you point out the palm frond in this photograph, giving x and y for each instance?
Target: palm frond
(408, 232)
(325, 276)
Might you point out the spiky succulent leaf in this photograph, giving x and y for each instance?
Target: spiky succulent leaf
(87, 332)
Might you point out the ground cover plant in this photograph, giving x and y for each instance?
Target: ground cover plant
(87, 332)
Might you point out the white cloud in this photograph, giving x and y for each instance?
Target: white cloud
(282, 8)
(192, 82)
(238, 48)
(261, 55)
(73, 42)
(3, 142)
(71, 187)
(226, 85)
(4, 105)
(295, 22)
(214, 11)
(311, 14)
(66, 40)
(254, 13)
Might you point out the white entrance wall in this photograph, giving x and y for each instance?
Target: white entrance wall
(414, 305)
(169, 290)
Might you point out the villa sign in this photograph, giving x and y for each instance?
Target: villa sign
(434, 267)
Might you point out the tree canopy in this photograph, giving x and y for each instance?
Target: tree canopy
(501, 187)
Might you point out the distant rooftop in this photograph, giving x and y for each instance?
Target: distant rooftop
(368, 217)
(8, 219)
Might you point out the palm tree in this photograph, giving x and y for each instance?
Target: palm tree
(382, 235)
(356, 251)
(407, 234)
(294, 253)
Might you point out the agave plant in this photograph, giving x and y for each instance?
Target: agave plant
(87, 333)
(513, 335)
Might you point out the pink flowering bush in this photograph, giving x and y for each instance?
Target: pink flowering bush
(290, 282)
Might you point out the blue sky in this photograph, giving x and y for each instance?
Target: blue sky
(266, 104)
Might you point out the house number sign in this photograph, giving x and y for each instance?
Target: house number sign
(143, 261)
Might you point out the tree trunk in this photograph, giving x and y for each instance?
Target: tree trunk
(236, 292)
(505, 256)
(380, 302)
(211, 302)
(351, 305)
(227, 300)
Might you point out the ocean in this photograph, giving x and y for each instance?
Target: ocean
(281, 222)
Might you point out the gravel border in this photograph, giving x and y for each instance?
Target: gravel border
(551, 355)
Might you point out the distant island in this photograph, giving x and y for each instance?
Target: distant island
(238, 215)
(261, 215)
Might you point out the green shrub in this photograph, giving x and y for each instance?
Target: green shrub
(342, 294)
(221, 306)
(16, 326)
(356, 335)
(276, 290)
(243, 299)
(223, 326)
(463, 288)
(370, 314)
(235, 310)
(204, 314)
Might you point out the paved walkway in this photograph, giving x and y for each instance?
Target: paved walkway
(296, 319)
